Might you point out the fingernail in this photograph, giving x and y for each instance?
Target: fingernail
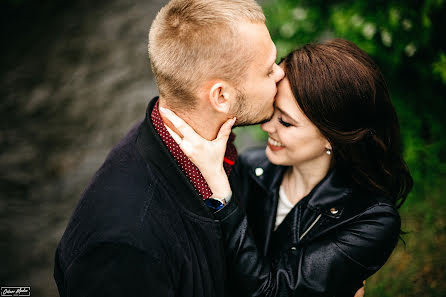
(163, 110)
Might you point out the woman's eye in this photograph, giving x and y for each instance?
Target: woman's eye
(285, 124)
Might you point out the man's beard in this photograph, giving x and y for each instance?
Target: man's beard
(244, 114)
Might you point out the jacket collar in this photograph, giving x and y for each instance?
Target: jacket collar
(267, 175)
(328, 197)
(157, 156)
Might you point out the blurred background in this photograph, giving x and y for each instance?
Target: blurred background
(75, 77)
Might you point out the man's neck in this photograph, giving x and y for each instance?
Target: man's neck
(201, 120)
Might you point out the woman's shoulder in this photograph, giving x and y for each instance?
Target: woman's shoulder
(253, 162)
(359, 198)
(370, 235)
(376, 200)
(376, 207)
(358, 205)
(253, 157)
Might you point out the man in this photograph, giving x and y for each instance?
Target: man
(144, 225)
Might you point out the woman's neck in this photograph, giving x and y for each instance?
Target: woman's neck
(299, 180)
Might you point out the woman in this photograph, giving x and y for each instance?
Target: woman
(322, 204)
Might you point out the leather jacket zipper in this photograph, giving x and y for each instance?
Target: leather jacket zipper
(311, 226)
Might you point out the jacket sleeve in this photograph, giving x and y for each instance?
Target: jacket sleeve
(333, 265)
(117, 270)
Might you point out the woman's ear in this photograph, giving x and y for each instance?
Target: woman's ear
(220, 97)
(328, 146)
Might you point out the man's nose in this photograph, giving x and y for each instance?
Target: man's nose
(280, 73)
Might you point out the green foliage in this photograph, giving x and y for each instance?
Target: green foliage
(440, 67)
(406, 40)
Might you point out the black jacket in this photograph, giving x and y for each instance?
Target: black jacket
(140, 229)
(330, 242)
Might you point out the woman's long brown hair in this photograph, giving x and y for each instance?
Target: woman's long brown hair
(342, 91)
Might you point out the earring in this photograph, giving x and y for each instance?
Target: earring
(328, 151)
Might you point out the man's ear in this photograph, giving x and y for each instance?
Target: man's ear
(220, 97)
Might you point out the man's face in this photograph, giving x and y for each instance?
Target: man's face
(255, 96)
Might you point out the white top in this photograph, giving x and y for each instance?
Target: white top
(283, 208)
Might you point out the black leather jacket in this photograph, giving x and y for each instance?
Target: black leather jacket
(330, 242)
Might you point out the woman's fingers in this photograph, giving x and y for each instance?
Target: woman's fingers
(225, 130)
(175, 136)
(360, 292)
(206, 155)
(185, 146)
(181, 125)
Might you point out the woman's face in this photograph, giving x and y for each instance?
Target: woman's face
(293, 139)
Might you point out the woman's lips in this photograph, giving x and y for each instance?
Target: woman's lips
(274, 145)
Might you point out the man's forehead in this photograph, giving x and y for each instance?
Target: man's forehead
(268, 55)
(264, 57)
(273, 53)
(258, 41)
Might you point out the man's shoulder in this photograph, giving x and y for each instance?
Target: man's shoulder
(115, 204)
(124, 171)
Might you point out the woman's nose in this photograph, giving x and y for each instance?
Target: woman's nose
(268, 126)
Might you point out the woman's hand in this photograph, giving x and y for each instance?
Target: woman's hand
(206, 155)
(361, 291)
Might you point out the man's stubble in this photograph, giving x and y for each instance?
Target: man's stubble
(246, 115)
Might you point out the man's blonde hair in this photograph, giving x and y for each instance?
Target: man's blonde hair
(194, 40)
